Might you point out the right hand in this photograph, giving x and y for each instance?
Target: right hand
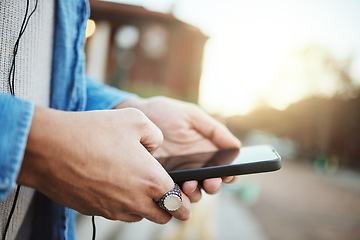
(187, 129)
(99, 163)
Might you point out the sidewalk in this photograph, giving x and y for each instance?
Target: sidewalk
(299, 203)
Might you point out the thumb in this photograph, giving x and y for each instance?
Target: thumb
(216, 132)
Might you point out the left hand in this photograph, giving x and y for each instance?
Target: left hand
(186, 129)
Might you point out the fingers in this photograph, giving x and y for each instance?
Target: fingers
(161, 216)
(212, 185)
(157, 214)
(151, 210)
(184, 212)
(192, 190)
(230, 179)
(213, 130)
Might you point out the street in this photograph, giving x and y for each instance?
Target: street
(297, 203)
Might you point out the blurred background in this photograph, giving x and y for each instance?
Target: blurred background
(285, 73)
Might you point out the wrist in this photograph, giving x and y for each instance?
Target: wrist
(39, 144)
(134, 102)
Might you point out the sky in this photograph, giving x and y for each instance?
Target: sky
(252, 55)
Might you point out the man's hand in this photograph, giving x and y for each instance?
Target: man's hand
(186, 129)
(99, 163)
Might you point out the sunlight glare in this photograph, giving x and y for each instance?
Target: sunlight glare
(250, 60)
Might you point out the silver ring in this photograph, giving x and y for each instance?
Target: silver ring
(172, 200)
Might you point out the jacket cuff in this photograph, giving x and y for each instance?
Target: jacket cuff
(15, 121)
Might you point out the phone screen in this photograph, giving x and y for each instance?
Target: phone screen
(246, 155)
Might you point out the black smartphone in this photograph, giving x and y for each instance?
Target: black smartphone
(222, 163)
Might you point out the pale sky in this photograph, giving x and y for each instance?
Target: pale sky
(252, 43)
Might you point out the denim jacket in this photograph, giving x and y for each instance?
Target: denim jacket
(71, 90)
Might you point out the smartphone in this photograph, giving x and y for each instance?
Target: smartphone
(222, 163)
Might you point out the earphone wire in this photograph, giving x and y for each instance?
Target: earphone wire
(12, 71)
(94, 227)
(11, 212)
(24, 25)
(11, 80)
(18, 41)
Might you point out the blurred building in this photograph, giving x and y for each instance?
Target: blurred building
(134, 48)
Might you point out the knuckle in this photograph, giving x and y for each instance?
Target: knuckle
(160, 138)
(139, 119)
(157, 187)
(135, 114)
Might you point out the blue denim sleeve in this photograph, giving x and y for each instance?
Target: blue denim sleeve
(15, 121)
(101, 96)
